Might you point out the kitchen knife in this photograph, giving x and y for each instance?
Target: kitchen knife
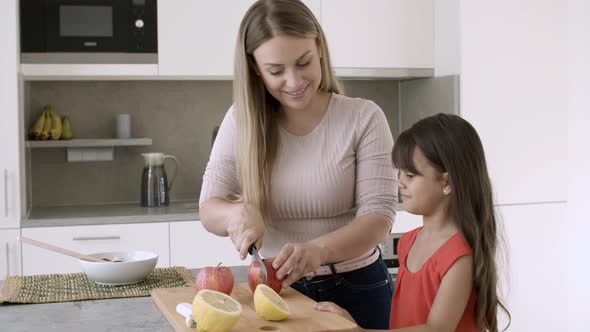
(262, 274)
(186, 310)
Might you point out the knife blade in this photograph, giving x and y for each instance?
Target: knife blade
(262, 273)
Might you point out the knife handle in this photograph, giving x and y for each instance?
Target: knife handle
(185, 310)
(251, 249)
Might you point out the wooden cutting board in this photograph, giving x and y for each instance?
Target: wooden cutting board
(303, 316)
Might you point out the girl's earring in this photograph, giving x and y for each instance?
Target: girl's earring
(446, 191)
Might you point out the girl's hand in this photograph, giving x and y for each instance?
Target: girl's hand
(295, 260)
(244, 227)
(333, 307)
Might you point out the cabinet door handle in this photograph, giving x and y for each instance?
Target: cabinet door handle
(90, 238)
(6, 193)
(7, 260)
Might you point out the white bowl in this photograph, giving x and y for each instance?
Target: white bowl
(134, 268)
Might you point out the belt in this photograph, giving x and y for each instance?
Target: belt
(346, 266)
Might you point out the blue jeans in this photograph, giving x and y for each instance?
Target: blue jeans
(365, 293)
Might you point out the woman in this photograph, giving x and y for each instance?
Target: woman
(301, 171)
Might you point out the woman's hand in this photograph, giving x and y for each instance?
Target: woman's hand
(295, 260)
(333, 307)
(245, 226)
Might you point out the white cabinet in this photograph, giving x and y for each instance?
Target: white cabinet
(379, 33)
(92, 239)
(10, 259)
(9, 112)
(87, 71)
(191, 245)
(405, 222)
(536, 290)
(316, 8)
(516, 95)
(197, 38)
(513, 87)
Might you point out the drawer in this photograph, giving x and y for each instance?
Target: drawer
(10, 255)
(191, 245)
(91, 239)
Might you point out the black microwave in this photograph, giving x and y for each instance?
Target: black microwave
(66, 31)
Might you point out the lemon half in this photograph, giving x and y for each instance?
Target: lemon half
(270, 305)
(215, 311)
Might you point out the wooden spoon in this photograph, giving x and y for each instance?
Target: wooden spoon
(58, 249)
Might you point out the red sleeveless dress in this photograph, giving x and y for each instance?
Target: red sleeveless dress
(415, 292)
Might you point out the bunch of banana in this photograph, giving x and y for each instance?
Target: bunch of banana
(49, 126)
(38, 130)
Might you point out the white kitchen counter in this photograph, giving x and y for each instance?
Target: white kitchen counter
(124, 213)
(102, 214)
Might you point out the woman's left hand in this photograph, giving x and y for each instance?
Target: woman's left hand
(295, 260)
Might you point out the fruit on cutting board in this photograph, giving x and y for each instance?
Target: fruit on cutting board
(215, 311)
(218, 278)
(271, 276)
(269, 304)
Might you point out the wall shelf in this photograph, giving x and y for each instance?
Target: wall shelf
(89, 142)
(89, 149)
(113, 213)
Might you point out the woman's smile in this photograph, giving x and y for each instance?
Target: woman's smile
(298, 93)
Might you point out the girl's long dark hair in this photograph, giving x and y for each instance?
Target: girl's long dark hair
(452, 145)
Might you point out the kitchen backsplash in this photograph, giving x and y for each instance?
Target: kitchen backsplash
(179, 116)
(420, 98)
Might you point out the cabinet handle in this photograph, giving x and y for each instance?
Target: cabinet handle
(90, 238)
(6, 193)
(7, 260)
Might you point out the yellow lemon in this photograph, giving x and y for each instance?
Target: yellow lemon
(215, 311)
(270, 305)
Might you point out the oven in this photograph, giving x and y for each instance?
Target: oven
(389, 252)
(70, 31)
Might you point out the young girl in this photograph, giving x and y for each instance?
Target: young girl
(447, 278)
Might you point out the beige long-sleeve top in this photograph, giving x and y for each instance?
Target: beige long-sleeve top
(320, 181)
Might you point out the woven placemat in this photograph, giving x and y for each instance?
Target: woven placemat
(76, 286)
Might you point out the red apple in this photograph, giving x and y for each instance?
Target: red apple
(218, 278)
(271, 279)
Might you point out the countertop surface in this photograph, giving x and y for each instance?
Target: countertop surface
(116, 213)
(103, 214)
(127, 314)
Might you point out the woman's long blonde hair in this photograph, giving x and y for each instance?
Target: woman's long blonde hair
(254, 108)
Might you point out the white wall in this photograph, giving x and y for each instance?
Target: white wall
(514, 91)
(578, 225)
(446, 42)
